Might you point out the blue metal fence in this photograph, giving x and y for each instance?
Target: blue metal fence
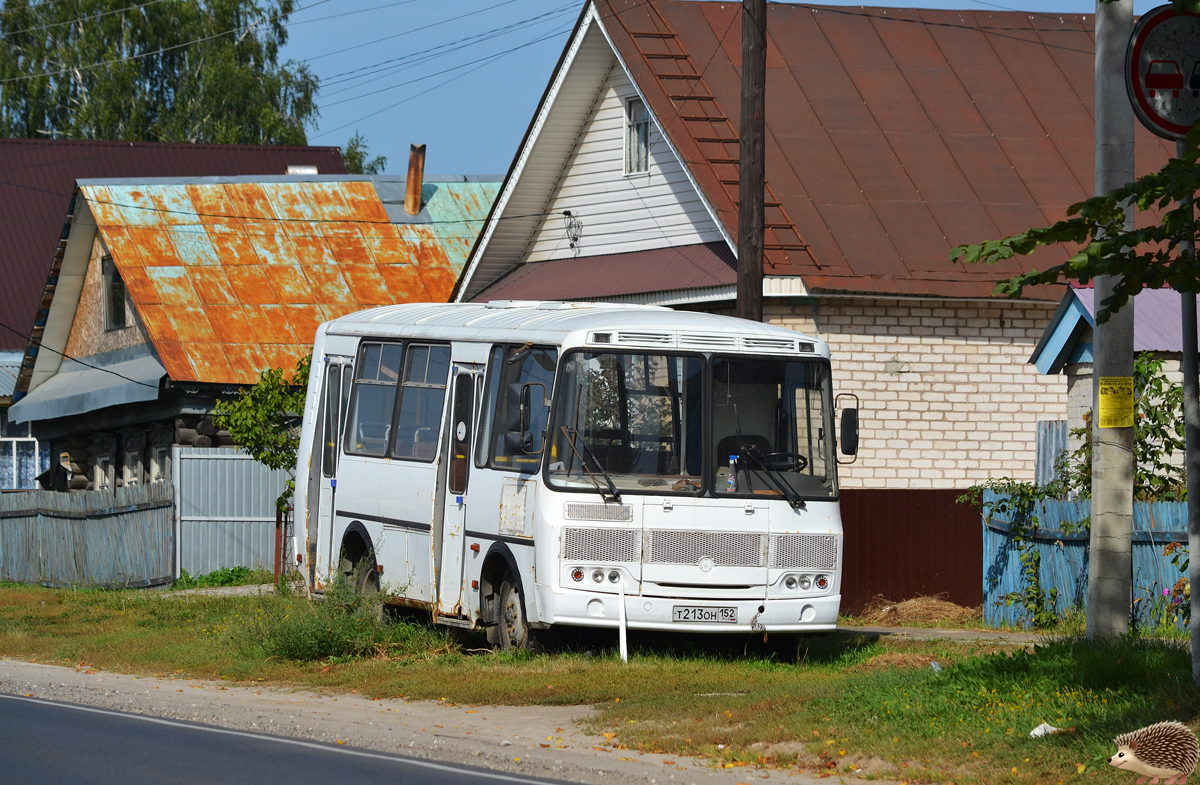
(1064, 558)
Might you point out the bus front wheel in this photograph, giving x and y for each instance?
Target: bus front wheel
(512, 625)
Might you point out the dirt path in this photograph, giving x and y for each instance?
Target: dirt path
(540, 741)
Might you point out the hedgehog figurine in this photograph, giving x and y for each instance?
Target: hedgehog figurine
(1166, 750)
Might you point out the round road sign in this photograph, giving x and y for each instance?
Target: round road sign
(1162, 71)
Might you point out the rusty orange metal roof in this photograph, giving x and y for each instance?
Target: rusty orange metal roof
(893, 134)
(232, 277)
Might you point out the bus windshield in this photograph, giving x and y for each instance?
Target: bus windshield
(634, 422)
(772, 427)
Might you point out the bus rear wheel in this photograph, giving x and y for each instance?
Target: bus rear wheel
(366, 585)
(513, 625)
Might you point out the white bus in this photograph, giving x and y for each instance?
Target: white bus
(517, 465)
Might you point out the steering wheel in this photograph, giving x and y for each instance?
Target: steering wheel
(786, 461)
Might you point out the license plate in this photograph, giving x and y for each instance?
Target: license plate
(700, 613)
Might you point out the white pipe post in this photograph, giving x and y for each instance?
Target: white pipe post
(624, 639)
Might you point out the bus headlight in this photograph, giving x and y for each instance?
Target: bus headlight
(822, 582)
(614, 576)
(598, 575)
(790, 582)
(577, 574)
(805, 582)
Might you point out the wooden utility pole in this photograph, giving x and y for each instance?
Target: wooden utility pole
(1191, 426)
(752, 161)
(1110, 561)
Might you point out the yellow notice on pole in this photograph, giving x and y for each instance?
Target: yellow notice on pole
(1116, 401)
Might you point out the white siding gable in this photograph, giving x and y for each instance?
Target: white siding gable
(619, 212)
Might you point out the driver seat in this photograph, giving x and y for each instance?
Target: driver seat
(731, 445)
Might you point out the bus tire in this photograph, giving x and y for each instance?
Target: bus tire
(512, 624)
(366, 584)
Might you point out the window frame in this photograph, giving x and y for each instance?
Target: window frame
(707, 469)
(398, 386)
(832, 466)
(112, 280)
(159, 470)
(490, 414)
(637, 131)
(104, 473)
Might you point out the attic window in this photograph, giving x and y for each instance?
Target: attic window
(637, 137)
(114, 297)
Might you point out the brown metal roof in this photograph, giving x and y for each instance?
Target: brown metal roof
(893, 135)
(37, 181)
(662, 269)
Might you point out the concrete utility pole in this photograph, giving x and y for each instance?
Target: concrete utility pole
(1191, 433)
(1111, 552)
(752, 161)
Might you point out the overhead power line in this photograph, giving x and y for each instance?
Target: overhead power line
(395, 64)
(163, 50)
(482, 62)
(88, 18)
(66, 356)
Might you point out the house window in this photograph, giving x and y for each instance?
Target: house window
(160, 467)
(131, 468)
(19, 456)
(102, 478)
(637, 137)
(114, 297)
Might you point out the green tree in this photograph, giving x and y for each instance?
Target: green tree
(264, 420)
(168, 71)
(355, 155)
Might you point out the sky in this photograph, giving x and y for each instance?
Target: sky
(464, 76)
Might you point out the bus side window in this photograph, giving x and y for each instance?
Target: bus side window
(487, 414)
(520, 365)
(422, 395)
(373, 399)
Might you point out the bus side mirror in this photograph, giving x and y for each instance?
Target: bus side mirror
(849, 436)
(518, 442)
(517, 438)
(516, 407)
(518, 415)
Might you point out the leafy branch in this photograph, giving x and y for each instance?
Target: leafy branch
(1142, 257)
(264, 420)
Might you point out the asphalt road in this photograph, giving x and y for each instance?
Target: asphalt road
(45, 743)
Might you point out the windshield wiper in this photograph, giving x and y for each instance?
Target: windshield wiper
(572, 435)
(774, 477)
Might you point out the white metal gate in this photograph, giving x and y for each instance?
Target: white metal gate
(224, 509)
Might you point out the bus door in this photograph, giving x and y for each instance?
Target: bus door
(339, 373)
(457, 456)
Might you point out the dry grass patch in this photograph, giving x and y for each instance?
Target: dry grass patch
(933, 611)
(896, 659)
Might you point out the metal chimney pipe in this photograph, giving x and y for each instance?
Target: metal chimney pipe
(416, 177)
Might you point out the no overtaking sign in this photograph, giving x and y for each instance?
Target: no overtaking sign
(1162, 71)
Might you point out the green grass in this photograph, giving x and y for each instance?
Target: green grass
(854, 699)
(226, 576)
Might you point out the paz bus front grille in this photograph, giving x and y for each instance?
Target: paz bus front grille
(804, 551)
(607, 545)
(726, 549)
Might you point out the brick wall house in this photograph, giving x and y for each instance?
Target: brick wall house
(892, 136)
(946, 392)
